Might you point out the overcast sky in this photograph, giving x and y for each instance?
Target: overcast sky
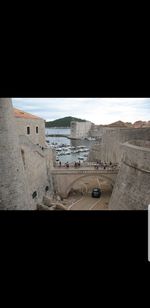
(96, 110)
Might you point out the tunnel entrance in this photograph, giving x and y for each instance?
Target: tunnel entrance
(83, 187)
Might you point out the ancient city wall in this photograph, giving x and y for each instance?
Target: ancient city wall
(39, 137)
(14, 193)
(109, 149)
(97, 131)
(80, 129)
(37, 164)
(132, 187)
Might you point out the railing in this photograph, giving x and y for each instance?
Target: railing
(89, 166)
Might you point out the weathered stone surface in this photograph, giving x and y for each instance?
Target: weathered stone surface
(14, 189)
(47, 201)
(109, 149)
(58, 198)
(52, 208)
(132, 187)
(60, 207)
(80, 129)
(42, 207)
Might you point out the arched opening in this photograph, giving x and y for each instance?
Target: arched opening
(82, 189)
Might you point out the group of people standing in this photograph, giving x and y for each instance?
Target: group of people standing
(102, 164)
(76, 164)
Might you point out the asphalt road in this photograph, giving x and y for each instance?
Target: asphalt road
(89, 203)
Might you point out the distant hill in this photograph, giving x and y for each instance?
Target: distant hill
(63, 122)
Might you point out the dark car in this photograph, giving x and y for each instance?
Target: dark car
(96, 193)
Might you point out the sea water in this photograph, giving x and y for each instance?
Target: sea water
(66, 141)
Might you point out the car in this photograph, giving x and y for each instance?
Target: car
(96, 192)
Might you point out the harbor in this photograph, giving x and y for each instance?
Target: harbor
(68, 149)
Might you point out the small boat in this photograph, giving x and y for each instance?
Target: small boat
(71, 148)
(80, 146)
(76, 151)
(90, 138)
(67, 153)
(58, 149)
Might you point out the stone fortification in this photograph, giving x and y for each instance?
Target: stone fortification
(14, 193)
(25, 159)
(80, 129)
(109, 149)
(132, 187)
(37, 164)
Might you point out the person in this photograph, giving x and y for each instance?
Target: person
(75, 164)
(79, 163)
(67, 164)
(60, 164)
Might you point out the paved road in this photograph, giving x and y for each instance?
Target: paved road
(89, 203)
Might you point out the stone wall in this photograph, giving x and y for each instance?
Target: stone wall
(109, 149)
(39, 137)
(37, 164)
(24, 167)
(14, 190)
(97, 131)
(80, 129)
(132, 187)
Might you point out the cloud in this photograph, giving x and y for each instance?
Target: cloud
(97, 110)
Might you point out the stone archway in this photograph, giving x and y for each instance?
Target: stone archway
(82, 182)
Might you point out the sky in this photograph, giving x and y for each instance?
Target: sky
(96, 110)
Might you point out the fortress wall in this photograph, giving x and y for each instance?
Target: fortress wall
(14, 191)
(80, 129)
(110, 147)
(132, 187)
(37, 164)
(32, 123)
(97, 131)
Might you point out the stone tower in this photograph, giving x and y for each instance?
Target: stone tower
(14, 194)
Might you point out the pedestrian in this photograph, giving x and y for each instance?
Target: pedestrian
(79, 163)
(60, 164)
(75, 164)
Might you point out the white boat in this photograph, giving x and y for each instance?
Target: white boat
(90, 138)
(76, 151)
(71, 148)
(86, 150)
(67, 153)
(58, 149)
(80, 146)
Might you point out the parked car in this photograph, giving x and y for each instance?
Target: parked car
(96, 193)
